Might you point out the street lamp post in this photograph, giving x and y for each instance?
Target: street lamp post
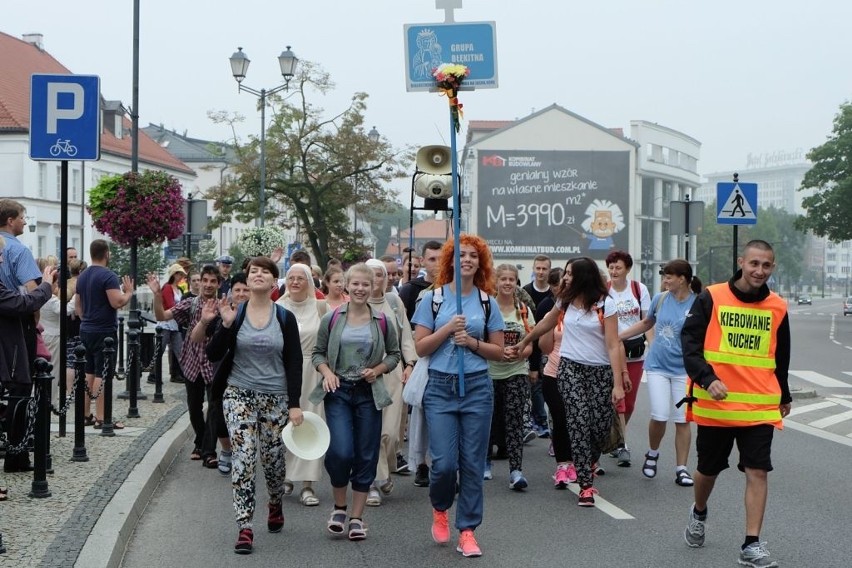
(239, 67)
(374, 137)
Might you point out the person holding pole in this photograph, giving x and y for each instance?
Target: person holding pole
(458, 409)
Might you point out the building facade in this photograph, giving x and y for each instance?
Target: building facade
(37, 184)
(559, 184)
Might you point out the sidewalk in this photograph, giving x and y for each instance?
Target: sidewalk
(93, 505)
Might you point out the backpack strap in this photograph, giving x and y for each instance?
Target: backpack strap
(660, 303)
(485, 301)
(383, 321)
(637, 292)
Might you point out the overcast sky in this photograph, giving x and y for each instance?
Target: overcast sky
(740, 76)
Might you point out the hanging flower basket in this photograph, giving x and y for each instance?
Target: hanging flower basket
(448, 78)
(261, 241)
(145, 208)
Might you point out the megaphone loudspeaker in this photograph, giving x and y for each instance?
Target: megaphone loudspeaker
(431, 186)
(434, 160)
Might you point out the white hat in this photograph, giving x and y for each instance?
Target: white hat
(310, 439)
(175, 268)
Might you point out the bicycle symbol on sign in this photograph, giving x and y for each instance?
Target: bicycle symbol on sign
(63, 146)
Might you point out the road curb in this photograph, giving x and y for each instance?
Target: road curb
(108, 540)
(799, 394)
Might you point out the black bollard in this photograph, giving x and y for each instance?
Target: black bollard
(158, 366)
(120, 372)
(79, 454)
(134, 371)
(108, 376)
(43, 378)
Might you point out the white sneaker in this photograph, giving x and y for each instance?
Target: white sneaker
(374, 498)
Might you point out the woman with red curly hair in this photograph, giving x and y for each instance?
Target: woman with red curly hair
(459, 426)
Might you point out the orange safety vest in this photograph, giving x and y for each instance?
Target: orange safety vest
(740, 346)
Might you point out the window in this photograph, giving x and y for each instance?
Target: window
(42, 180)
(75, 186)
(58, 183)
(42, 245)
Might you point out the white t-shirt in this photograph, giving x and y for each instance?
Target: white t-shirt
(628, 307)
(583, 338)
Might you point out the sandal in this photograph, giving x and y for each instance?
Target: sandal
(4, 493)
(308, 498)
(89, 420)
(683, 478)
(288, 488)
(335, 522)
(649, 468)
(195, 455)
(357, 530)
(118, 426)
(211, 462)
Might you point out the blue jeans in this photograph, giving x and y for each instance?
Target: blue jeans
(459, 429)
(356, 433)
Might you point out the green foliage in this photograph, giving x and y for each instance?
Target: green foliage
(317, 168)
(829, 210)
(149, 259)
(102, 193)
(773, 225)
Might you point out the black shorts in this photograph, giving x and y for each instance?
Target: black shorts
(714, 445)
(94, 344)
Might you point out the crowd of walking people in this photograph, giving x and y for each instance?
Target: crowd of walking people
(563, 357)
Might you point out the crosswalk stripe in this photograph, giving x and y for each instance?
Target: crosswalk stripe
(796, 410)
(806, 429)
(832, 420)
(819, 379)
(605, 506)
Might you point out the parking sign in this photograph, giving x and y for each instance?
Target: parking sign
(65, 117)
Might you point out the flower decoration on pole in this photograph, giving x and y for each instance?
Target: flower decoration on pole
(142, 208)
(449, 77)
(261, 241)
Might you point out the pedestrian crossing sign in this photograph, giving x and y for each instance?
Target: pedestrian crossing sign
(736, 203)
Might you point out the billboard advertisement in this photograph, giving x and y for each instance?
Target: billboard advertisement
(558, 203)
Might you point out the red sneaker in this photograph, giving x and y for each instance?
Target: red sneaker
(440, 526)
(467, 544)
(244, 542)
(587, 497)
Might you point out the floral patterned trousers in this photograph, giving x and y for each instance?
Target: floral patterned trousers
(255, 418)
(587, 393)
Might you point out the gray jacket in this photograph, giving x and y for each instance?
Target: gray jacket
(327, 349)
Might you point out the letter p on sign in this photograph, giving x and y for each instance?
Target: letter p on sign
(65, 117)
(54, 113)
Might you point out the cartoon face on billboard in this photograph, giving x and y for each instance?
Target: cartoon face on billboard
(603, 220)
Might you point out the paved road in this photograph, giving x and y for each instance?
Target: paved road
(639, 522)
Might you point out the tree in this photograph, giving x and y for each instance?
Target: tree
(150, 259)
(830, 208)
(316, 169)
(774, 225)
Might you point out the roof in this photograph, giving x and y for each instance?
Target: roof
(190, 149)
(498, 126)
(19, 61)
(431, 229)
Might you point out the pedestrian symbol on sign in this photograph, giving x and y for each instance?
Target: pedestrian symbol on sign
(737, 206)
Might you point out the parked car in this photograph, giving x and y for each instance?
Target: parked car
(847, 306)
(804, 299)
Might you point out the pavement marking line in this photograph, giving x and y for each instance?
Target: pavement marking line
(604, 505)
(820, 380)
(832, 420)
(796, 410)
(830, 436)
(840, 401)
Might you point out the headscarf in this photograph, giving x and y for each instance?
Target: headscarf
(376, 263)
(306, 308)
